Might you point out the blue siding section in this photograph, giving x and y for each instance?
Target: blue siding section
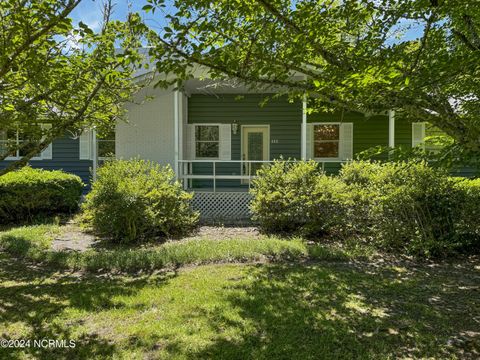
(65, 156)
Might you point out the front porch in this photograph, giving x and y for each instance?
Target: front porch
(222, 139)
(221, 188)
(228, 176)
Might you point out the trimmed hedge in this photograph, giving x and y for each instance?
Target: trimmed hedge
(134, 199)
(297, 197)
(406, 207)
(27, 193)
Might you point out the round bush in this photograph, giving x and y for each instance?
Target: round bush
(408, 207)
(27, 193)
(133, 199)
(297, 197)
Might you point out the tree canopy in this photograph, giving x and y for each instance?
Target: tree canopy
(351, 54)
(66, 75)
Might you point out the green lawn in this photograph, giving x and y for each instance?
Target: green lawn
(34, 242)
(300, 301)
(237, 311)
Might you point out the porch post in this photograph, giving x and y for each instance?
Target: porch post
(176, 130)
(181, 125)
(391, 128)
(94, 154)
(304, 129)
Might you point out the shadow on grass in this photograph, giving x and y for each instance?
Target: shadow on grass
(35, 296)
(341, 311)
(269, 311)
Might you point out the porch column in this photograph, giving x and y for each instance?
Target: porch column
(94, 154)
(391, 128)
(176, 129)
(304, 129)
(181, 125)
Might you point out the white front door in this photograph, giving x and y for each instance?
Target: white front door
(255, 141)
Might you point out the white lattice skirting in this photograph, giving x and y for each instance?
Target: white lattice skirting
(223, 206)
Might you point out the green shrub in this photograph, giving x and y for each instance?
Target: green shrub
(297, 197)
(408, 207)
(136, 198)
(468, 213)
(28, 193)
(280, 192)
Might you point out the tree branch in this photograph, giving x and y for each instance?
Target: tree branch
(327, 55)
(31, 39)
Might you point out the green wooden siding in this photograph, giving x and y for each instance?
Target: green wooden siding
(367, 132)
(403, 133)
(284, 118)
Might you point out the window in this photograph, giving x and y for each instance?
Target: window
(435, 139)
(429, 137)
(207, 141)
(8, 139)
(326, 138)
(13, 139)
(106, 146)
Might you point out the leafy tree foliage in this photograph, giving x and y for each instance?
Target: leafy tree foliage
(54, 72)
(349, 54)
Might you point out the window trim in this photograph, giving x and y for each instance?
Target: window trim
(195, 141)
(18, 157)
(323, 159)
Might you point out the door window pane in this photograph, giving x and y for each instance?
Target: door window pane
(255, 146)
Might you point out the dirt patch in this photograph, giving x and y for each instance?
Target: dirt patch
(73, 238)
(225, 232)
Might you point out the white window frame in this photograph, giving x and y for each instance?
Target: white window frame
(18, 157)
(195, 141)
(320, 159)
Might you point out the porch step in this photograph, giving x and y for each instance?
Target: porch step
(228, 207)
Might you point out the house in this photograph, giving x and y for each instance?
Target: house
(215, 138)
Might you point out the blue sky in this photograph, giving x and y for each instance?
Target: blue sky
(90, 12)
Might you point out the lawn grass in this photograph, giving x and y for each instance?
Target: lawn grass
(34, 243)
(30, 241)
(238, 311)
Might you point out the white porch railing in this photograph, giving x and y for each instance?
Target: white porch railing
(246, 170)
